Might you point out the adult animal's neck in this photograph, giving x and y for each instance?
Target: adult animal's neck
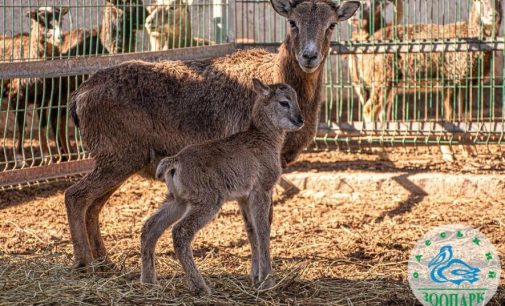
(307, 85)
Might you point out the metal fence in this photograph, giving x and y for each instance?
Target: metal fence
(430, 79)
(48, 48)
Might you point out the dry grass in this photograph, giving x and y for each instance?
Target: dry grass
(342, 250)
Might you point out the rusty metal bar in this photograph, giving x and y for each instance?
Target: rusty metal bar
(88, 65)
(461, 45)
(378, 47)
(23, 176)
(359, 127)
(362, 129)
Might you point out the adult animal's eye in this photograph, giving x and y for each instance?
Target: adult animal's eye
(293, 24)
(284, 104)
(332, 27)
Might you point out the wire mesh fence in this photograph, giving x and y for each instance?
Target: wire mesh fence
(404, 72)
(401, 72)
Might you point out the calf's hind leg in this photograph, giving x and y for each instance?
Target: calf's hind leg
(198, 215)
(168, 214)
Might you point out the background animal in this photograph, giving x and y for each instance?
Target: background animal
(389, 74)
(452, 67)
(371, 20)
(130, 111)
(43, 41)
(120, 23)
(244, 167)
(169, 25)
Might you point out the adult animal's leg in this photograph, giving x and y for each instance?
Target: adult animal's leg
(84, 201)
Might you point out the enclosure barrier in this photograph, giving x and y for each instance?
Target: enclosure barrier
(441, 87)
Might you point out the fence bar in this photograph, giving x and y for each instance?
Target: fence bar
(361, 128)
(381, 47)
(27, 175)
(88, 65)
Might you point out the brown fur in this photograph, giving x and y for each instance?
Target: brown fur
(131, 110)
(244, 167)
(87, 42)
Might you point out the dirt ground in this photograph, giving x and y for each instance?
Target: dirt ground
(326, 250)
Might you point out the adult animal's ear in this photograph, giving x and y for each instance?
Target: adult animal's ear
(282, 7)
(346, 10)
(261, 88)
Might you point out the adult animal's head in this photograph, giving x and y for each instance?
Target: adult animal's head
(311, 24)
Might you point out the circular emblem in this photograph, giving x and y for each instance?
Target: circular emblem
(454, 265)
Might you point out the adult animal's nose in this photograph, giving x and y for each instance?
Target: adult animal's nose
(300, 119)
(309, 55)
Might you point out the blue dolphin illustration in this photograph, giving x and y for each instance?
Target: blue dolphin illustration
(445, 268)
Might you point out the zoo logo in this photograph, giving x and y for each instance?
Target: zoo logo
(454, 265)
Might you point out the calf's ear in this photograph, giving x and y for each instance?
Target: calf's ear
(260, 88)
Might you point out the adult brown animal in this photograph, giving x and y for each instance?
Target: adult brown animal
(138, 112)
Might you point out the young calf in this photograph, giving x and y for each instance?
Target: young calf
(244, 167)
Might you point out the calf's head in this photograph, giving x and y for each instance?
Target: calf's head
(278, 103)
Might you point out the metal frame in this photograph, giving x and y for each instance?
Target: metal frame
(412, 46)
(88, 65)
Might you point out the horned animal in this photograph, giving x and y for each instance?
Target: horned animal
(244, 167)
(133, 114)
